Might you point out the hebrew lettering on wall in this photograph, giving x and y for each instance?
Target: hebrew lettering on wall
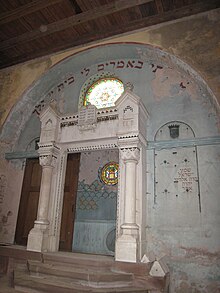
(70, 79)
(176, 173)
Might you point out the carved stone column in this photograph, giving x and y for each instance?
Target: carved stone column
(130, 156)
(127, 242)
(47, 162)
(37, 238)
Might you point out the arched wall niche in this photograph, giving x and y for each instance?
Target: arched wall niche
(167, 86)
(174, 130)
(176, 176)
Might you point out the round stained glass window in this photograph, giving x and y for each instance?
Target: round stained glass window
(104, 92)
(109, 173)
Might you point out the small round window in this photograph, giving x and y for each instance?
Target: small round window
(104, 92)
(109, 173)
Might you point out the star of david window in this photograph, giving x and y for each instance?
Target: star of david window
(109, 173)
(104, 92)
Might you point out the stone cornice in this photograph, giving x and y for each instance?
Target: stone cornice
(215, 140)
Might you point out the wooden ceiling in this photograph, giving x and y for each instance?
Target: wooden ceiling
(31, 29)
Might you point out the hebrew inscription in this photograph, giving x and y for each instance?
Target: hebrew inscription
(186, 179)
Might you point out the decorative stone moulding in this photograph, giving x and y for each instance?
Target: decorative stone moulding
(130, 154)
(122, 127)
(79, 148)
(49, 125)
(48, 153)
(101, 115)
(48, 160)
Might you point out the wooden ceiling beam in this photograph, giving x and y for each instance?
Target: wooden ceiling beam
(94, 36)
(75, 6)
(80, 18)
(25, 10)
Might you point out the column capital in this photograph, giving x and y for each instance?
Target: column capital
(48, 160)
(130, 154)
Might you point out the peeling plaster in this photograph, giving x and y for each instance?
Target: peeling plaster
(14, 82)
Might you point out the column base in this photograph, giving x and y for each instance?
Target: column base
(38, 237)
(127, 244)
(53, 243)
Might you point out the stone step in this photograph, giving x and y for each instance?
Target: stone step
(153, 284)
(43, 282)
(24, 282)
(134, 268)
(98, 262)
(62, 272)
(83, 275)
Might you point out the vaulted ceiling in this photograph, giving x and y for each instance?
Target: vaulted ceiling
(31, 29)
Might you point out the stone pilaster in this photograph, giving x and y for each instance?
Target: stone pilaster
(127, 242)
(130, 156)
(38, 236)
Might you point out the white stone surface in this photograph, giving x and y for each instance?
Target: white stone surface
(159, 269)
(126, 249)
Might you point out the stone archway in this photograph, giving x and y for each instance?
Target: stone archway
(60, 135)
